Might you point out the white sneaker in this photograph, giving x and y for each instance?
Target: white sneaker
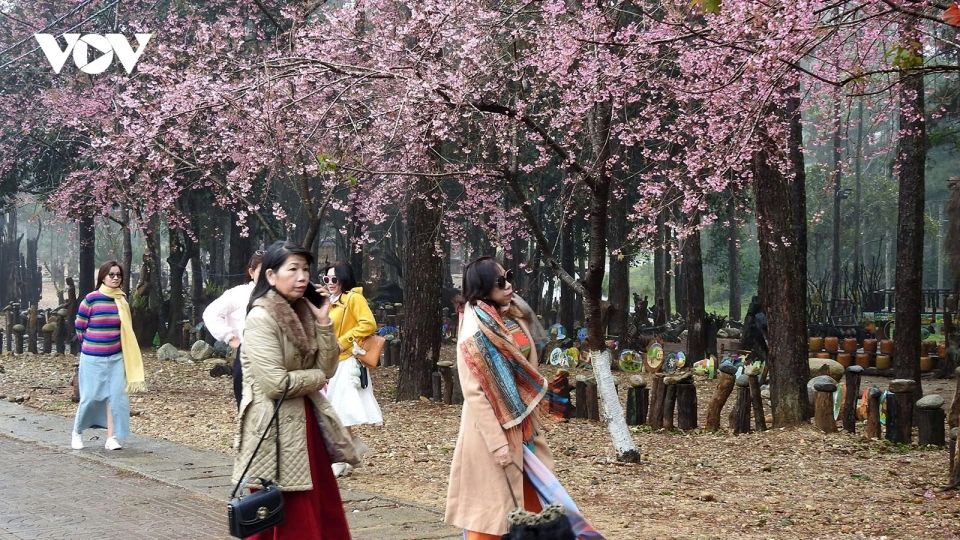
(112, 444)
(76, 441)
(341, 469)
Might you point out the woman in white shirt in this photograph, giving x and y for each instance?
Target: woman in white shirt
(224, 318)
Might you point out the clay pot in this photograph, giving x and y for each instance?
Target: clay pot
(863, 360)
(883, 361)
(844, 359)
(816, 343)
(831, 343)
(926, 363)
(942, 350)
(850, 345)
(869, 345)
(823, 355)
(886, 346)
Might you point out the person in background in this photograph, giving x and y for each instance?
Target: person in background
(352, 321)
(111, 366)
(506, 404)
(225, 316)
(289, 349)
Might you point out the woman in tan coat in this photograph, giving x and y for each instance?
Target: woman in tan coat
(505, 407)
(289, 343)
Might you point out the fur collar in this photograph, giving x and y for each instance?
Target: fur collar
(299, 330)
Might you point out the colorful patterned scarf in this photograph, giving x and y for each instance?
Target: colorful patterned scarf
(514, 388)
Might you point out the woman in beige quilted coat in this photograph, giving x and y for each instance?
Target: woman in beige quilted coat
(289, 343)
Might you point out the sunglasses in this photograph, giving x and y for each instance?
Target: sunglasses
(330, 280)
(261, 252)
(502, 280)
(115, 276)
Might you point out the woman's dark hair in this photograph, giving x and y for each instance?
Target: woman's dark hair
(479, 278)
(253, 263)
(344, 272)
(105, 269)
(276, 255)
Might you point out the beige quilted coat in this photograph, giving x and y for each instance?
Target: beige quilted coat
(280, 345)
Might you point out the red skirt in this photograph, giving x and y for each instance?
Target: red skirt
(318, 513)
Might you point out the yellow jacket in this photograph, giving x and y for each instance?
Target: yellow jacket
(352, 320)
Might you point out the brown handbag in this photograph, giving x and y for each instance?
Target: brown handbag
(372, 346)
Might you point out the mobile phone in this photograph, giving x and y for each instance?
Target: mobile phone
(313, 296)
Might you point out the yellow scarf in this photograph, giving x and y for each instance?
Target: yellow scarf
(132, 359)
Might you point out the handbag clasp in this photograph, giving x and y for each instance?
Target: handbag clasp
(262, 512)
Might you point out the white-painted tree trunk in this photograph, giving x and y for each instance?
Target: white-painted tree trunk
(612, 409)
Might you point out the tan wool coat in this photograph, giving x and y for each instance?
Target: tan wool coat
(478, 498)
(281, 343)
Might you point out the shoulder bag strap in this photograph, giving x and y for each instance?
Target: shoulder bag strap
(276, 410)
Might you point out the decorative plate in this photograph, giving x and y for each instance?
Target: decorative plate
(653, 359)
(573, 356)
(558, 358)
(630, 361)
(582, 334)
(670, 365)
(883, 408)
(557, 331)
(838, 401)
(681, 360)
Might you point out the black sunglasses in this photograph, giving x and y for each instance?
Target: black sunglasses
(502, 280)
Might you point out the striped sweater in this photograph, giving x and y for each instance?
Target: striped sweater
(98, 325)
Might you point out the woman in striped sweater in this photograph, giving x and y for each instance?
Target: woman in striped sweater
(110, 361)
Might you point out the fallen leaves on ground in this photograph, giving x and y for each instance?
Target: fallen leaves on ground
(782, 483)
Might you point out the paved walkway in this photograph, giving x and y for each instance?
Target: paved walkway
(151, 489)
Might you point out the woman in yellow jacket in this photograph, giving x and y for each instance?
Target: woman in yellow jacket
(352, 321)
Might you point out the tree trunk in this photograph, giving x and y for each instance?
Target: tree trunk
(837, 168)
(619, 289)
(911, 160)
(798, 192)
(567, 294)
(87, 280)
(733, 261)
(241, 249)
(127, 249)
(784, 288)
(697, 327)
(423, 271)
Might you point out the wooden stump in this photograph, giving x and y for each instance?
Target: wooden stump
(930, 417)
(725, 382)
(32, 329)
(954, 462)
(930, 427)
(47, 342)
(686, 406)
(753, 372)
(638, 399)
(437, 387)
(873, 413)
(593, 402)
(852, 381)
(580, 391)
(657, 395)
(18, 339)
(742, 408)
(900, 411)
(8, 328)
(823, 407)
(669, 403)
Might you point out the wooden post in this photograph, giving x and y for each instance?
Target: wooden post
(954, 462)
(388, 352)
(32, 329)
(930, 417)
(753, 375)
(900, 411)
(436, 386)
(669, 401)
(580, 391)
(72, 306)
(686, 405)
(823, 407)
(742, 408)
(395, 352)
(446, 374)
(657, 395)
(873, 413)
(638, 398)
(457, 398)
(18, 330)
(8, 330)
(62, 331)
(593, 402)
(852, 380)
(48, 330)
(725, 383)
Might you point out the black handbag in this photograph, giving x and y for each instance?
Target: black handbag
(263, 509)
(551, 523)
